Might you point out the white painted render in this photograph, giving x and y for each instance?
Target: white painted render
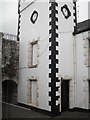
(72, 57)
(29, 33)
(82, 85)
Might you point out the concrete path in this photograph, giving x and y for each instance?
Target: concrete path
(14, 111)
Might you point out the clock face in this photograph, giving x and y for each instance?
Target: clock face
(34, 17)
(66, 12)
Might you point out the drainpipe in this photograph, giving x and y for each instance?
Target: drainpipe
(74, 48)
(75, 67)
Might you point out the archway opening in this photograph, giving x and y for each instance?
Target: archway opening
(9, 91)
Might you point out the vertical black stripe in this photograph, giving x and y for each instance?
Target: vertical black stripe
(19, 16)
(75, 15)
(52, 58)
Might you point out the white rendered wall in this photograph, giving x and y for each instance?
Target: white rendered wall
(29, 32)
(66, 50)
(40, 31)
(82, 88)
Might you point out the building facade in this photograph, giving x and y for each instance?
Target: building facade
(82, 53)
(51, 74)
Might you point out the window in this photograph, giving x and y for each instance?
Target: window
(32, 92)
(33, 54)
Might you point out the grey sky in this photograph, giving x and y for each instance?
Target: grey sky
(9, 16)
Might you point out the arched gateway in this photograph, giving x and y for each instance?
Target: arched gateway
(9, 91)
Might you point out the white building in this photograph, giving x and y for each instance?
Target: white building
(53, 75)
(82, 53)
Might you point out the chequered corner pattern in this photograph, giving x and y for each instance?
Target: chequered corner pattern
(54, 83)
(74, 15)
(19, 21)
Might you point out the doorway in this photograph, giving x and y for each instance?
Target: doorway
(89, 94)
(64, 95)
(32, 92)
(9, 91)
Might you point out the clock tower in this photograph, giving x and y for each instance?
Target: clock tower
(45, 33)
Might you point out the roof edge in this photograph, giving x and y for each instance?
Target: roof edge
(82, 27)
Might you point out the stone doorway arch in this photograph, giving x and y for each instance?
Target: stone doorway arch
(9, 91)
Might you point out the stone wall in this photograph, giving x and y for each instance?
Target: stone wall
(0, 60)
(9, 67)
(0, 75)
(10, 59)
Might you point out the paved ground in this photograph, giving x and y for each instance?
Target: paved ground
(63, 115)
(14, 111)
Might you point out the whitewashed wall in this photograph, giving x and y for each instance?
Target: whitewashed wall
(82, 86)
(66, 49)
(28, 32)
(40, 31)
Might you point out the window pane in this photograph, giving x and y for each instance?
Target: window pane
(34, 94)
(34, 54)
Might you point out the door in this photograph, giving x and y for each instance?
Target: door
(89, 94)
(32, 92)
(64, 95)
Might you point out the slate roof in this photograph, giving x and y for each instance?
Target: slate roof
(82, 27)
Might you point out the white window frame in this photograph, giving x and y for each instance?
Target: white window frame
(30, 55)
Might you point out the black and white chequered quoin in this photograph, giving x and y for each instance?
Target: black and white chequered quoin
(19, 19)
(53, 40)
(74, 15)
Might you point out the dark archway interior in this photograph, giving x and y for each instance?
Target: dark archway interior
(9, 91)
